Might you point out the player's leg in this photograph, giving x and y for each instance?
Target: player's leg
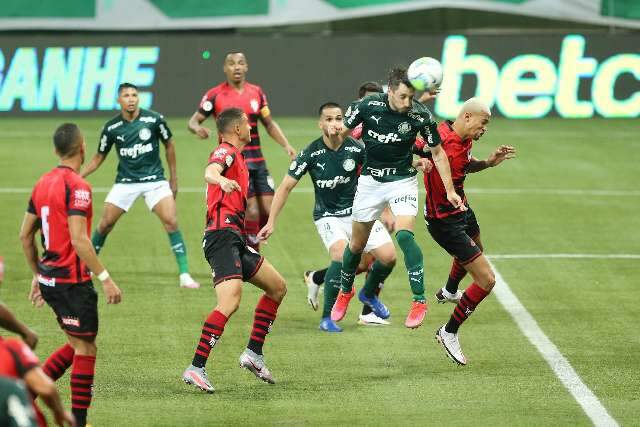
(59, 361)
(82, 374)
(161, 202)
(263, 188)
(381, 247)
(118, 201)
(332, 284)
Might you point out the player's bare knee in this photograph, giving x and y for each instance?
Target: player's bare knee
(105, 227)
(171, 226)
(488, 280)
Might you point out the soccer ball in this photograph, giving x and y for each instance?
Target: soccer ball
(425, 74)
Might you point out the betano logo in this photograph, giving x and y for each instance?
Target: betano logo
(75, 78)
(530, 86)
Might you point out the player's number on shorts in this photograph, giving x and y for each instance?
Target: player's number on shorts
(44, 214)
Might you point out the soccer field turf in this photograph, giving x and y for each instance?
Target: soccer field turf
(570, 191)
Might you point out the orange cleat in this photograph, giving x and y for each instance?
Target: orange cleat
(342, 303)
(416, 314)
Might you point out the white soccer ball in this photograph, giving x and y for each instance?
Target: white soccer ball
(425, 74)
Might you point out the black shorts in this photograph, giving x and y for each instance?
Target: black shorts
(75, 306)
(260, 182)
(229, 256)
(455, 234)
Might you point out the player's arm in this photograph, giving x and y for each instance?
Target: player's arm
(84, 248)
(40, 384)
(93, 164)
(213, 175)
(275, 132)
(27, 238)
(279, 200)
(195, 125)
(499, 155)
(441, 161)
(9, 322)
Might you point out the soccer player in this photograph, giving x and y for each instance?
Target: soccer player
(390, 125)
(15, 405)
(334, 163)
(237, 92)
(136, 134)
(61, 207)
(9, 322)
(231, 260)
(456, 229)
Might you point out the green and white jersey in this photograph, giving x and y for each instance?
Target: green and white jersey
(334, 175)
(137, 145)
(16, 409)
(389, 135)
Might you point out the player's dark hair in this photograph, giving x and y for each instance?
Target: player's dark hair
(369, 87)
(326, 105)
(235, 52)
(126, 85)
(398, 75)
(228, 118)
(66, 139)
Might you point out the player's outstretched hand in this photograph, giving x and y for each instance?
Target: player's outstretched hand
(266, 232)
(203, 133)
(229, 186)
(65, 419)
(456, 201)
(34, 294)
(112, 291)
(502, 153)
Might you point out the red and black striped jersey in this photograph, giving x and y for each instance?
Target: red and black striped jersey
(253, 101)
(57, 195)
(16, 358)
(226, 210)
(459, 155)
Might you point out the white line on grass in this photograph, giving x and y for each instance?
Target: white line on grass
(565, 256)
(558, 363)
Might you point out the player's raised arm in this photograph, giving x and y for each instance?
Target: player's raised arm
(279, 200)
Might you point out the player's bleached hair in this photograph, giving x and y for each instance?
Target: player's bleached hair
(329, 104)
(228, 118)
(126, 85)
(474, 106)
(369, 87)
(398, 75)
(67, 139)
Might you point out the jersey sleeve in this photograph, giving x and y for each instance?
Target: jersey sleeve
(106, 141)
(300, 165)
(164, 133)
(207, 103)
(353, 115)
(79, 198)
(429, 129)
(420, 147)
(223, 157)
(264, 105)
(24, 357)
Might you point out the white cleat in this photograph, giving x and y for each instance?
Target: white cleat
(197, 377)
(186, 281)
(312, 290)
(443, 296)
(451, 345)
(255, 363)
(371, 320)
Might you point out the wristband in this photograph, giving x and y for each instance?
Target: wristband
(103, 276)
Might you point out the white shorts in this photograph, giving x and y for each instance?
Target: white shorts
(123, 195)
(373, 196)
(331, 229)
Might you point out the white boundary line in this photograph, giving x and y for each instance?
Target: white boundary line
(565, 256)
(558, 363)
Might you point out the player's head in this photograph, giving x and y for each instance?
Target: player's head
(235, 67)
(400, 90)
(369, 88)
(128, 97)
(474, 116)
(233, 124)
(330, 120)
(69, 141)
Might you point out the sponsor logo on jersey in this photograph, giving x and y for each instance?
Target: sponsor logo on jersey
(228, 160)
(293, 165)
(318, 152)
(381, 172)
(120, 138)
(207, 106)
(377, 119)
(148, 119)
(332, 183)
(115, 125)
(271, 183)
(164, 132)
(353, 149)
(136, 150)
(407, 198)
(415, 116)
(301, 168)
(341, 212)
(71, 321)
(254, 105)
(377, 103)
(351, 115)
(385, 139)
(349, 165)
(220, 153)
(321, 165)
(46, 281)
(404, 127)
(82, 198)
(146, 178)
(144, 134)
(103, 142)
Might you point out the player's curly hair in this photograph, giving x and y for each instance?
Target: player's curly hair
(398, 75)
(67, 139)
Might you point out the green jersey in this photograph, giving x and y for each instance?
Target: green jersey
(16, 409)
(388, 135)
(137, 145)
(334, 175)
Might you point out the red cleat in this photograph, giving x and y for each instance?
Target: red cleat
(342, 303)
(416, 314)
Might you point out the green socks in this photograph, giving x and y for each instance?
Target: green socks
(331, 287)
(350, 263)
(97, 240)
(413, 261)
(378, 274)
(179, 250)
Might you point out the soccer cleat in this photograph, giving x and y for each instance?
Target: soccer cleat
(186, 281)
(197, 377)
(374, 304)
(451, 345)
(312, 290)
(339, 309)
(443, 296)
(328, 325)
(255, 363)
(416, 314)
(371, 320)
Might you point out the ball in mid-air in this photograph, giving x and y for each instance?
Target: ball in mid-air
(425, 74)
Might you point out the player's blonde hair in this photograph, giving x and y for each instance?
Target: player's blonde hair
(474, 106)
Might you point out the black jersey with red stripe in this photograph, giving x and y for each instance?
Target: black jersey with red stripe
(56, 196)
(252, 100)
(459, 155)
(226, 210)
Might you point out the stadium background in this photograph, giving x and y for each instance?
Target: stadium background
(565, 210)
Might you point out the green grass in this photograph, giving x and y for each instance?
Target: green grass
(377, 376)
